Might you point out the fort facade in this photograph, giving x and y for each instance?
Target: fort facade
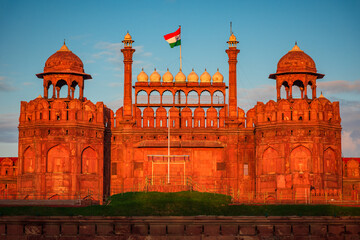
(180, 133)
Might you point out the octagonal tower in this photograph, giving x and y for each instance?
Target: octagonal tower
(298, 139)
(61, 138)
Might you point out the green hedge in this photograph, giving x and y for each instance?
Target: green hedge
(180, 204)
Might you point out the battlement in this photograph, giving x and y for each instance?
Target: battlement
(318, 110)
(41, 110)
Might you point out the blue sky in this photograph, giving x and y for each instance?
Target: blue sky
(31, 31)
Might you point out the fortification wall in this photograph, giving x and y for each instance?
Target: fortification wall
(199, 227)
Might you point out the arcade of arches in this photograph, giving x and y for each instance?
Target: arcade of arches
(173, 132)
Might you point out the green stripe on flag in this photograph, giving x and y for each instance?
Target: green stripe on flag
(177, 43)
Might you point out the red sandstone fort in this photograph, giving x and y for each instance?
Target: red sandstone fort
(288, 149)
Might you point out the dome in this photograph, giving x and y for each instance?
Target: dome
(64, 61)
(168, 77)
(205, 77)
(180, 77)
(218, 77)
(142, 77)
(193, 77)
(296, 61)
(232, 38)
(155, 76)
(127, 37)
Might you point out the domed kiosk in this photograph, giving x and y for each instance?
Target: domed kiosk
(296, 68)
(63, 68)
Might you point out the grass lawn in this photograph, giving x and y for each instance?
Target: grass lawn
(180, 204)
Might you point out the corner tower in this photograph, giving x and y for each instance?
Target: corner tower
(61, 138)
(298, 140)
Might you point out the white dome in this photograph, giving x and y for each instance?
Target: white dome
(218, 77)
(205, 77)
(180, 77)
(155, 76)
(168, 77)
(142, 77)
(193, 77)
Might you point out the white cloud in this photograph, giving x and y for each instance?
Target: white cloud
(115, 104)
(8, 127)
(350, 145)
(4, 85)
(28, 83)
(339, 86)
(247, 98)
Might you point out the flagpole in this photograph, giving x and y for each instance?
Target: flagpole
(180, 51)
(168, 180)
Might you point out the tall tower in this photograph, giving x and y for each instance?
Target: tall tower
(61, 139)
(298, 139)
(128, 53)
(232, 52)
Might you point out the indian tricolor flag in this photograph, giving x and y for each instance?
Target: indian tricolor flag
(174, 38)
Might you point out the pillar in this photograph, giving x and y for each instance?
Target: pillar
(232, 52)
(128, 52)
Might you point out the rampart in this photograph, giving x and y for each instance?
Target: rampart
(198, 227)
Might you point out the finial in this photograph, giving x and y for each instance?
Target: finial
(167, 69)
(64, 41)
(231, 32)
(142, 69)
(155, 69)
(217, 69)
(127, 31)
(205, 69)
(296, 43)
(192, 69)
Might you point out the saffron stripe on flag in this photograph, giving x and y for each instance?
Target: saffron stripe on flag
(170, 35)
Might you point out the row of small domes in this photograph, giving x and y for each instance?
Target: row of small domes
(180, 77)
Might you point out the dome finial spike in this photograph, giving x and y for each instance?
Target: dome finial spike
(296, 43)
(64, 41)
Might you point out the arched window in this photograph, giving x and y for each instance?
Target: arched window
(180, 97)
(154, 97)
(205, 97)
(300, 159)
(309, 90)
(193, 97)
(271, 163)
(89, 161)
(74, 90)
(142, 97)
(167, 97)
(283, 90)
(297, 89)
(62, 92)
(58, 160)
(50, 90)
(218, 97)
(29, 161)
(330, 161)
